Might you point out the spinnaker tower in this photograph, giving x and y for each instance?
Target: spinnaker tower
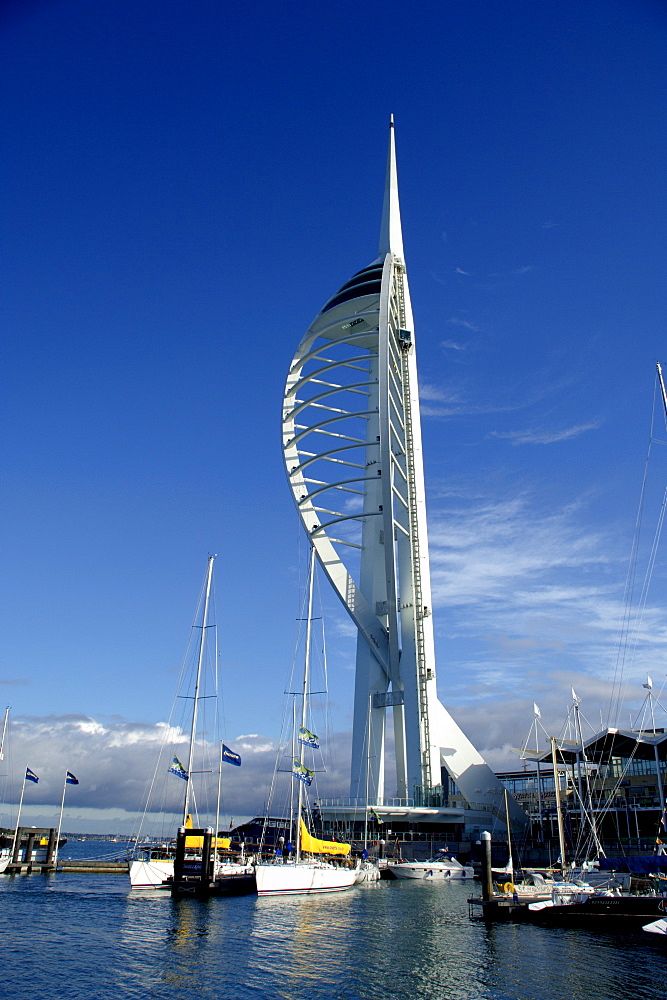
(352, 446)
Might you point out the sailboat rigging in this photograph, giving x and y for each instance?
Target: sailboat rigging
(194, 864)
(309, 871)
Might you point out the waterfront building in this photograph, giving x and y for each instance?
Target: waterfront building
(617, 777)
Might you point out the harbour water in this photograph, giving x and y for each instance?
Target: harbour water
(76, 936)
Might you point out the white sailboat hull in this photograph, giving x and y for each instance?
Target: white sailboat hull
(151, 874)
(302, 878)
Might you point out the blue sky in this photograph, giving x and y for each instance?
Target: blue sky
(184, 187)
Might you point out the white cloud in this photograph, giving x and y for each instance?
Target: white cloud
(546, 437)
(453, 345)
(118, 762)
(529, 601)
(489, 551)
(468, 324)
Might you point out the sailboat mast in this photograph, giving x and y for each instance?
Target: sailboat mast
(509, 833)
(304, 696)
(200, 663)
(4, 732)
(561, 832)
(368, 764)
(539, 781)
(663, 391)
(216, 842)
(589, 797)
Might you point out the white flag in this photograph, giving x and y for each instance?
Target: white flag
(649, 683)
(537, 711)
(574, 696)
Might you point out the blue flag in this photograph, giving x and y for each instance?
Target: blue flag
(308, 739)
(30, 775)
(70, 779)
(230, 756)
(302, 772)
(178, 769)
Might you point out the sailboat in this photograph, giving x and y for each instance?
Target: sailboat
(310, 869)
(194, 863)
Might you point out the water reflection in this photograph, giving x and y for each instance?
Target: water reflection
(568, 964)
(403, 940)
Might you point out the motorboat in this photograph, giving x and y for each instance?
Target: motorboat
(441, 868)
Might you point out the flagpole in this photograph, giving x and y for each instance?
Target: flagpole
(60, 822)
(18, 816)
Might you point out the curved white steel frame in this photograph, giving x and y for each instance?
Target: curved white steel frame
(353, 456)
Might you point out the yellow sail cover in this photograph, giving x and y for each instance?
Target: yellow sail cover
(194, 842)
(315, 846)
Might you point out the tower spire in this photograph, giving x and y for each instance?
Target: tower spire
(391, 236)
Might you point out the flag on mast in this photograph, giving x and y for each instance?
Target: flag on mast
(302, 772)
(308, 739)
(70, 779)
(230, 756)
(30, 775)
(178, 769)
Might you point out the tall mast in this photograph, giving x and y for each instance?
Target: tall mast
(304, 691)
(589, 798)
(4, 733)
(561, 831)
(195, 706)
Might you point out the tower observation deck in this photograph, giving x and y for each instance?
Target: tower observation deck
(353, 456)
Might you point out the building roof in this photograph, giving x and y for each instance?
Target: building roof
(606, 744)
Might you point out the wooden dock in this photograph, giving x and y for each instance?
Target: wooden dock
(44, 868)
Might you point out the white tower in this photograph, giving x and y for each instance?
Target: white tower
(353, 455)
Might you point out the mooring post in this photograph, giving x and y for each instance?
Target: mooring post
(29, 848)
(208, 863)
(51, 850)
(180, 854)
(487, 875)
(17, 846)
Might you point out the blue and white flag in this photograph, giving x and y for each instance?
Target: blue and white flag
(70, 779)
(308, 739)
(302, 772)
(178, 769)
(30, 775)
(230, 756)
